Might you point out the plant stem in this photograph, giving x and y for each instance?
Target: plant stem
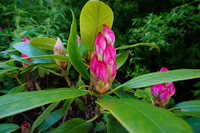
(98, 109)
(68, 80)
(93, 93)
(94, 118)
(18, 79)
(113, 90)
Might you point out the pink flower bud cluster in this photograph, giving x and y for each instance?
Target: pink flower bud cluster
(60, 50)
(103, 67)
(23, 55)
(162, 92)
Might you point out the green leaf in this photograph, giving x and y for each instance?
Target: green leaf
(43, 42)
(134, 114)
(194, 123)
(93, 15)
(74, 53)
(30, 50)
(8, 128)
(121, 58)
(79, 84)
(138, 44)
(66, 105)
(82, 49)
(16, 89)
(50, 120)
(99, 126)
(43, 116)
(77, 125)
(161, 77)
(18, 102)
(80, 104)
(114, 127)
(193, 105)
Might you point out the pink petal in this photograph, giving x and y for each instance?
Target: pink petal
(163, 69)
(59, 48)
(102, 72)
(25, 39)
(109, 35)
(94, 63)
(171, 89)
(109, 55)
(164, 96)
(157, 89)
(100, 44)
(78, 39)
(114, 70)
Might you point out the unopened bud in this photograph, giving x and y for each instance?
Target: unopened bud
(25, 127)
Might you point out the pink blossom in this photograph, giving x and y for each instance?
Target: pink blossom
(109, 55)
(171, 89)
(163, 69)
(164, 96)
(157, 89)
(78, 39)
(93, 64)
(108, 35)
(100, 45)
(114, 70)
(102, 72)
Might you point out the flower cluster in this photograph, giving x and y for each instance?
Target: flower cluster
(162, 92)
(103, 67)
(23, 55)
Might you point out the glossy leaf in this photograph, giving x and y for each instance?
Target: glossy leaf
(193, 105)
(82, 49)
(66, 105)
(8, 128)
(74, 53)
(18, 102)
(43, 42)
(30, 50)
(50, 120)
(77, 125)
(121, 58)
(16, 89)
(93, 15)
(138, 44)
(161, 77)
(80, 104)
(43, 116)
(194, 123)
(79, 84)
(114, 126)
(134, 114)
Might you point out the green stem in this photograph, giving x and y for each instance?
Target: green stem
(108, 93)
(98, 109)
(18, 80)
(83, 86)
(105, 112)
(94, 118)
(93, 93)
(68, 80)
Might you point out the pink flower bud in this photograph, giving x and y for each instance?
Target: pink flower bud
(171, 89)
(157, 89)
(25, 39)
(78, 39)
(108, 35)
(93, 64)
(114, 70)
(163, 69)
(59, 50)
(25, 127)
(100, 45)
(109, 55)
(102, 72)
(164, 96)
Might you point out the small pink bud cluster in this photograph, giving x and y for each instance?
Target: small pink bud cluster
(162, 92)
(103, 66)
(25, 127)
(23, 55)
(78, 39)
(60, 50)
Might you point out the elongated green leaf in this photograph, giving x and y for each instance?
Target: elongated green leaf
(30, 50)
(189, 113)
(18, 102)
(66, 105)
(43, 116)
(50, 120)
(16, 89)
(8, 70)
(43, 42)
(194, 123)
(193, 105)
(77, 125)
(120, 59)
(8, 128)
(138, 44)
(93, 15)
(74, 53)
(82, 49)
(138, 116)
(114, 127)
(161, 77)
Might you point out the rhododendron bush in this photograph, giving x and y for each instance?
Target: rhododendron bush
(138, 105)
